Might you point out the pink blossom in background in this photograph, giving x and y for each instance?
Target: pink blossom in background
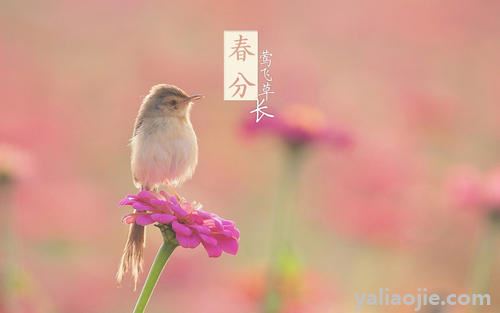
(300, 124)
(471, 189)
(421, 77)
(190, 223)
(301, 291)
(14, 163)
(371, 198)
(492, 189)
(465, 187)
(425, 111)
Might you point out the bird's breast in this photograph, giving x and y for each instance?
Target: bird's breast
(164, 153)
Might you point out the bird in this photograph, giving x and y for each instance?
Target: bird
(164, 153)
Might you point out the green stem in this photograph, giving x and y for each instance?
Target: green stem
(286, 202)
(10, 275)
(168, 246)
(483, 266)
(284, 219)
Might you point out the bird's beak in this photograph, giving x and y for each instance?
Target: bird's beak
(195, 97)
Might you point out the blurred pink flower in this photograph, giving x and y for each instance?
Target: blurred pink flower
(474, 190)
(300, 124)
(492, 189)
(14, 163)
(300, 291)
(425, 111)
(373, 198)
(190, 223)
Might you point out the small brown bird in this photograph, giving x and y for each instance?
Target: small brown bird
(164, 152)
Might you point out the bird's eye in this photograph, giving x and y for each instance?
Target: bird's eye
(173, 102)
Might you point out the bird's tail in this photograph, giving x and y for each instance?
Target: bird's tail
(133, 253)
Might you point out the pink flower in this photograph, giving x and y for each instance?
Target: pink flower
(299, 290)
(471, 189)
(300, 124)
(14, 163)
(492, 189)
(189, 222)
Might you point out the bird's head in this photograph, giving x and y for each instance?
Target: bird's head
(168, 100)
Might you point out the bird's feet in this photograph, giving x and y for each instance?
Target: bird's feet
(171, 190)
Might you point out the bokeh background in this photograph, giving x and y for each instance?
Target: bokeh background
(414, 83)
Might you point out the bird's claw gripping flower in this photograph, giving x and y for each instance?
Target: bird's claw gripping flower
(192, 225)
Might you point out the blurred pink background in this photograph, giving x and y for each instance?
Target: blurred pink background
(415, 83)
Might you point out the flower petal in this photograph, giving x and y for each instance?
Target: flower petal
(201, 229)
(129, 219)
(218, 224)
(159, 203)
(176, 207)
(163, 218)
(144, 194)
(181, 229)
(208, 239)
(229, 245)
(204, 214)
(235, 233)
(143, 220)
(139, 206)
(228, 223)
(188, 241)
(213, 251)
(127, 201)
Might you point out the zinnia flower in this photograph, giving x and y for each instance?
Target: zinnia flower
(189, 222)
(300, 124)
